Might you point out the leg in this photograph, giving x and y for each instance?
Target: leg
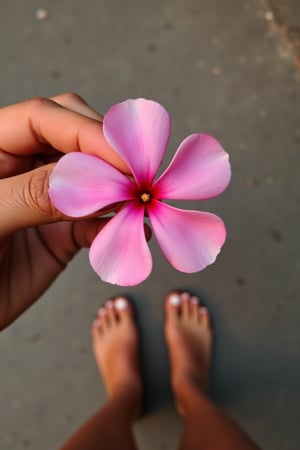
(189, 340)
(115, 343)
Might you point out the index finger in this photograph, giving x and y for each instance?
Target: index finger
(32, 126)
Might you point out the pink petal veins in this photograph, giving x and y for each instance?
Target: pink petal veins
(120, 254)
(81, 184)
(139, 131)
(190, 240)
(199, 170)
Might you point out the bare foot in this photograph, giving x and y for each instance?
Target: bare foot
(115, 344)
(189, 340)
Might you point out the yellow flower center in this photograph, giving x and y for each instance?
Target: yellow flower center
(145, 197)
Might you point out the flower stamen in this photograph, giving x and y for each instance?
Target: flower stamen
(145, 197)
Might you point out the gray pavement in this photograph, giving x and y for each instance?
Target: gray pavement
(218, 67)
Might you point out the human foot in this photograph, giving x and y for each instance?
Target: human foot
(115, 345)
(189, 340)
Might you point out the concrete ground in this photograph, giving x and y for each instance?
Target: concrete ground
(218, 67)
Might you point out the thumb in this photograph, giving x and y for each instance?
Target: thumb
(25, 202)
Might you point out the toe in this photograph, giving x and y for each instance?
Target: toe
(204, 316)
(123, 309)
(111, 312)
(173, 305)
(186, 305)
(103, 318)
(194, 308)
(96, 329)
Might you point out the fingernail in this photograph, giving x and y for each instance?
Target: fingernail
(174, 300)
(194, 300)
(121, 304)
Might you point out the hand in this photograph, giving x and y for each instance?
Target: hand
(36, 240)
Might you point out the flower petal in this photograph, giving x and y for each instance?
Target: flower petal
(139, 131)
(199, 170)
(190, 240)
(81, 184)
(120, 253)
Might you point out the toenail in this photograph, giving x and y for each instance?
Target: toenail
(203, 310)
(96, 323)
(109, 304)
(185, 296)
(121, 304)
(101, 311)
(194, 300)
(174, 299)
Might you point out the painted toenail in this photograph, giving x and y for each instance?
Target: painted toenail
(121, 304)
(101, 312)
(194, 300)
(203, 310)
(185, 296)
(174, 300)
(109, 304)
(96, 323)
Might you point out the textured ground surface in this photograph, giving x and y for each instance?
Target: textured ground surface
(284, 18)
(220, 68)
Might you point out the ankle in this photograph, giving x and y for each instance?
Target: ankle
(129, 389)
(128, 395)
(189, 394)
(191, 382)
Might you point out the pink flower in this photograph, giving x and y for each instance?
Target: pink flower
(139, 131)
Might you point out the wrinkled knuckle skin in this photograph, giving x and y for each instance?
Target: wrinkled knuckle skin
(38, 102)
(36, 195)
